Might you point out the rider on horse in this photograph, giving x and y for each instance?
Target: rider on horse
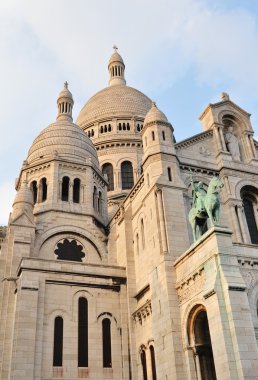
(199, 194)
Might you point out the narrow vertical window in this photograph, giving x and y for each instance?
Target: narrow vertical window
(137, 244)
(44, 189)
(127, 175)
(58, 342)
(144, 366)
(95, 198)
(153, 363)
(100, 203)
(65, 189)
(76, 190)
(169, 175)
(34, 189)
(82, 332)
(142, 233)
(163, 135)
(106, 342)
(153, 135)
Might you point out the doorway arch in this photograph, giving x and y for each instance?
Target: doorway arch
(200, 343)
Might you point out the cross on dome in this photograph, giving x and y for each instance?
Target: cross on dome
(66, 84)
(115, 47)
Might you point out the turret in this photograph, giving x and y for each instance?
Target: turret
(157, 134)
(116, 69)
(65, 104)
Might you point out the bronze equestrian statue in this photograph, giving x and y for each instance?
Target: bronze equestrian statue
(205, 205)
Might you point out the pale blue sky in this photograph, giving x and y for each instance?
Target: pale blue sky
(182, 54)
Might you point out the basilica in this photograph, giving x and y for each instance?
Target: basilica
(106, 271)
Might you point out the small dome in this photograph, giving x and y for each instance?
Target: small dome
(24, 195)
(154, 115)
(114, 101)
(115, 57)
(65, 93)
(65, 140)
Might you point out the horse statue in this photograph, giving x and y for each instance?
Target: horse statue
(205, 205)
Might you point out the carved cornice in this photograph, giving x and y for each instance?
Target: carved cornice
(191, 286)
(141, 314)
(198, 170)
(193, 140)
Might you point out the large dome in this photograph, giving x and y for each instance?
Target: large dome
(65, 140)
(119, 101)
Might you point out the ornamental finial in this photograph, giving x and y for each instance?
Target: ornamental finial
(115, 48)
(66, 84)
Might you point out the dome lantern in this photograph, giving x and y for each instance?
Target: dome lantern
(65, 104)
(116, 69)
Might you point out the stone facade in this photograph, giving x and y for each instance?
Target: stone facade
(100, 277)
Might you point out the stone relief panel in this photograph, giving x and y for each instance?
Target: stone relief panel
(191, 287)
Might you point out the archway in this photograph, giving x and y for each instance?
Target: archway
(200, 343)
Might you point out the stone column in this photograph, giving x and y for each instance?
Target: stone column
(224, 148)
(70, 194)
(237, 230)
(162, 221)
(242, 223)
(218, 138)
(60, 190)
(39, 191)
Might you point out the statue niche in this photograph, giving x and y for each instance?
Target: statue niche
(69, 250)
(231, 139)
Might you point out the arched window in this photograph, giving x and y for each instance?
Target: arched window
(43, 189)
(108, 170)
(249, 195)
(127, 175)
(144, 365)
(106, 343)
(143, 234)
(153, 363)
(65, 189)
(95, 195)
(58, 342)
(76, 190)
(153, 135)
(163, 135)
(82, 332)
(34, 188)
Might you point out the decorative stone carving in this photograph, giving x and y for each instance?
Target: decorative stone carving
(204, 151)
(143, 312)
(249, 278)
(193, 285)
(232, 144)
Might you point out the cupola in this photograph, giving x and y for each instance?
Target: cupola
(116, 69)
(65, 104)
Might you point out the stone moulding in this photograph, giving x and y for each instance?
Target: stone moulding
(143, 312)
(192, 140)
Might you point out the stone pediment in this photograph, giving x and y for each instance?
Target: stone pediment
(23, 220)
(198, 147)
